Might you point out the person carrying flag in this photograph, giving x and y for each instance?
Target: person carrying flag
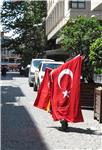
(62, 88)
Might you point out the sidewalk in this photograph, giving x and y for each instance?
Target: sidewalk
(25, 127)
(80, 136)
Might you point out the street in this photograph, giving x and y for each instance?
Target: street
(25, 127)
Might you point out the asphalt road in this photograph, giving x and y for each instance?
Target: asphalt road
(24, 127)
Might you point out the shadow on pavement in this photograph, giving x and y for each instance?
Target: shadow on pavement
(18, 131)
(78, 130)
(11, 75)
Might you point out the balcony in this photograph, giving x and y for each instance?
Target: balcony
(96, 5)
(55, 17)
(61, 13)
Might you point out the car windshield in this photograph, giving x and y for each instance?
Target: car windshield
(36, 63)
(53, 66)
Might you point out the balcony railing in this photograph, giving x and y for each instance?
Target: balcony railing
(55, 16)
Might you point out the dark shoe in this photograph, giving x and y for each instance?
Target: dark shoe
(64, 125)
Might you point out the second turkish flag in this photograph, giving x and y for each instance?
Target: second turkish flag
(65, 91)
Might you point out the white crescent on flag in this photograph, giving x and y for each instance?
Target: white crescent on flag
(63, 72)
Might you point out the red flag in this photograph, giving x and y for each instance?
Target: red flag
(43, 95)
(65, 91)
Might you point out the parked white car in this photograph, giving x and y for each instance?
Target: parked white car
(42, 67)
(34, 67)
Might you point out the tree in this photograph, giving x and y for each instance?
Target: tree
(22, 16)
(77, 36)
(6, 42)
(96, 55)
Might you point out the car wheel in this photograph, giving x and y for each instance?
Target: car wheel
(30, 84)
(34, 87)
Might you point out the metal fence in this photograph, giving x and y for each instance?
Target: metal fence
(98, 78)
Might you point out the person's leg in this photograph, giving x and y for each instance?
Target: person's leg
(64, 125)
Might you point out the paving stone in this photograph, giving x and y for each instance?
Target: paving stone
(25, 127)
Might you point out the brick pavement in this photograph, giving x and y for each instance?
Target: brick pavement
(24, 127)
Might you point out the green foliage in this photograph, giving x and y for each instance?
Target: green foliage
(21, 16)
(96, 54)
(78, 35)
(98, 71)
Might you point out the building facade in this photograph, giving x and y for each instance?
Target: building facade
(59, 12)
(8, 57)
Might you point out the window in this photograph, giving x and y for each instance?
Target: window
(77, 4)
(53, 66)
(11, 60)
(36, 63)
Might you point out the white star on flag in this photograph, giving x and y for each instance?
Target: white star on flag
(66, 93)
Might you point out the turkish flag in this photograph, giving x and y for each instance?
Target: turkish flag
(42, 100)
(65, 91)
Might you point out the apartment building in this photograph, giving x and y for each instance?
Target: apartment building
(59, 12)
